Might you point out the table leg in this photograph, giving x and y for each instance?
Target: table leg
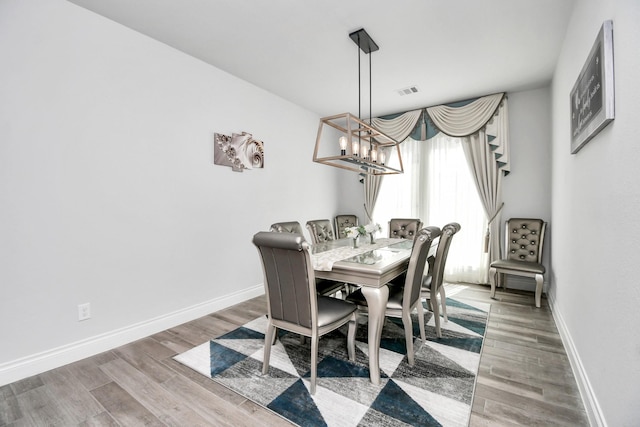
(377, 302)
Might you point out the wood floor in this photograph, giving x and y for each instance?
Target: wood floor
(524, 378)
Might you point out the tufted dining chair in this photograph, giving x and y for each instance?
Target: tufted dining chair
(524, 238)
(404, 299)
(320, 230)
(404, 228)
(432, 285)
(344, 221)
(292, 301)
(287, 227)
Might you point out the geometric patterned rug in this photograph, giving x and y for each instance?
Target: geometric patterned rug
(436, 391)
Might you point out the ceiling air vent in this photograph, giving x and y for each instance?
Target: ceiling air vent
(408, 90)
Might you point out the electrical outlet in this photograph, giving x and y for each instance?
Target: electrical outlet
(84, 311)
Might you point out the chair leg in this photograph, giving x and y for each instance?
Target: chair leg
(421, 320)
(493, 277)
(344, 292)
(443, 303)
(436, 315)
(351, 337)
(539, 281)
(428, 300)
(408, 336)
(268, 339)
(275, 335)
(314, 362)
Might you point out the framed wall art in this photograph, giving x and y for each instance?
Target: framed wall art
(239, 151)
(592, 96)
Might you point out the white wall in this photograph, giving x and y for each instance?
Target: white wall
(351, 195)
(526, 191)
(108, 191)
(596, 199)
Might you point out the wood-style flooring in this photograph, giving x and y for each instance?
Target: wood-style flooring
(524, 379)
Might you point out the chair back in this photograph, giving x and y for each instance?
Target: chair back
(287, 227)
(344, 221)
(404, 228)
(320, 230)
(289, 279)
(437, 274)
(417, 262)
(524, 238)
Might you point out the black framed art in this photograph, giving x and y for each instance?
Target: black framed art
(592, 96)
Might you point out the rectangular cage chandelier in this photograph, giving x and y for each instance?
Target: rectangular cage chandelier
(347, 142)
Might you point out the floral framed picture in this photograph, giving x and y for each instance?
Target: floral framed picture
(239, 151)
(592, 96)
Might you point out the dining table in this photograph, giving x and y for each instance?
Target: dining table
(370, 266)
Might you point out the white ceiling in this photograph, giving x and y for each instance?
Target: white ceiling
(300, 50)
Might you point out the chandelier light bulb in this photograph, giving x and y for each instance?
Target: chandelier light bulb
(343, 145)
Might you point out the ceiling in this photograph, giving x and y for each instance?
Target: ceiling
(300, 49)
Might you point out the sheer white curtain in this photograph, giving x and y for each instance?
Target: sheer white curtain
(438, 188)
(398, 195)
(451, 196)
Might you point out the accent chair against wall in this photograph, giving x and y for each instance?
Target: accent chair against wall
(524, 239)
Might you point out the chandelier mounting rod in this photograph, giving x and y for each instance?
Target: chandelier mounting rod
(362, 147)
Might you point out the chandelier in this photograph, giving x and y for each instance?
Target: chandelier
(347, 142)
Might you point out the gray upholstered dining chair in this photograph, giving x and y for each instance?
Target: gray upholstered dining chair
(292, 301)
(287, 227)
(323, 286)
(524, 238)
(404, 299)
(404, 228)
(432, 282)
(344, 221)
(320, 230)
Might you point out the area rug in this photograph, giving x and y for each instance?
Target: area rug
(436, 391)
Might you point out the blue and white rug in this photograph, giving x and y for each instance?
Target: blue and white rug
(436, 391)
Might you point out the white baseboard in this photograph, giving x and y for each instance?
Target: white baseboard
(34, 364)
(594, 413)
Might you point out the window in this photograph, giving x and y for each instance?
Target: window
(438, 188)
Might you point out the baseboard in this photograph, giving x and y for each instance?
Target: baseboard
(16, 370)
(594, 413)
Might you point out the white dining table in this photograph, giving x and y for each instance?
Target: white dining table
(370, 266)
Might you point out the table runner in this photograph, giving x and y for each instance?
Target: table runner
(323, 261)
